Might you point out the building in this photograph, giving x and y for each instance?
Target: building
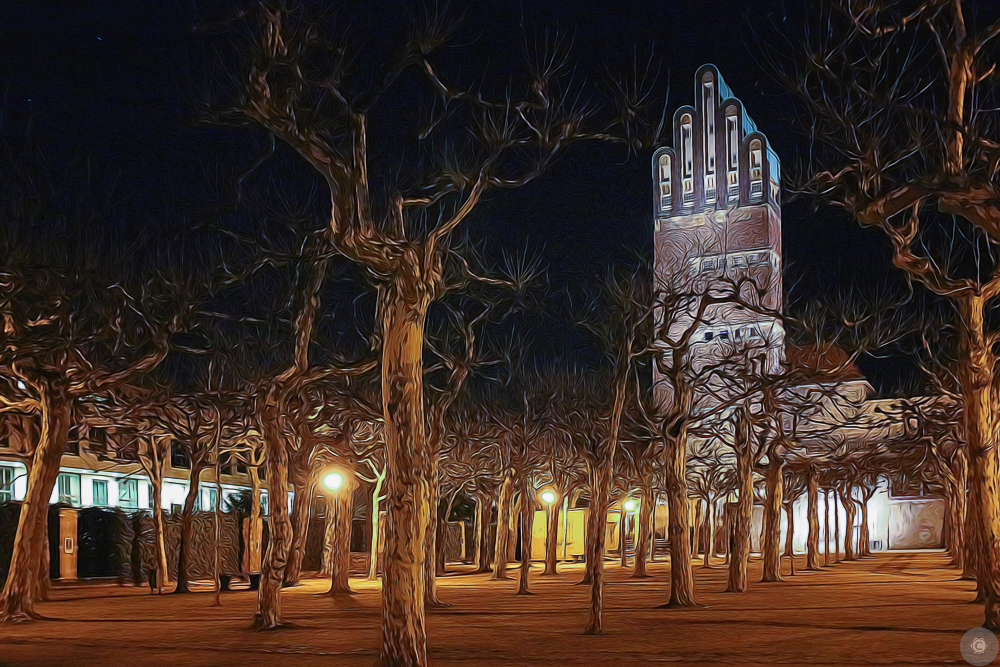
(717, 216)
(91, 476)
(717, 211)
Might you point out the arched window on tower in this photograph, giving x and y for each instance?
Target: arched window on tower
(733, 166)
(708, 109)
(687, 160)
(756, 170)
(665, 182)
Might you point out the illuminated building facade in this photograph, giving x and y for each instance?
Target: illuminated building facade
(717, 213)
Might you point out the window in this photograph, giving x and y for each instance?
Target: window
(178, 457)
(664, 182)
(708, 96)
(6, 484)
(739, 262)
(263, 504)
(723, 335)
(757, 258)
(72, 445)
(708, 265)
(687, 158)
(213, 497)
(100, 493)
(176, 508)
(733, 130)
(68, 485)
(128, 494)
(150, 494)
(709, 335)
(242, 469)
(756, 165)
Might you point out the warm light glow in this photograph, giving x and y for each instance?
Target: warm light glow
(549, 497)
(629, 505)
(333, 481)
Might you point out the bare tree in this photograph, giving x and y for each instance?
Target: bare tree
(401, 234)
(896, 106)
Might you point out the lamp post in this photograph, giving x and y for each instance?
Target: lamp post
(336, 547)
(550, 498)
(627, 507)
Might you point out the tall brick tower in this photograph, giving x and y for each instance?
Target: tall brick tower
(717, 213)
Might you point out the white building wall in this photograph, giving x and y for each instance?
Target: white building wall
(878, 521)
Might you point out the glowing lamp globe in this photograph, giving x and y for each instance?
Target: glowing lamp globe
(629, 505)
(549, 497)
(333, 481)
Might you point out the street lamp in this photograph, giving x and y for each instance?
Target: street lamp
(629, 505)
(549, 497)
(333, 481)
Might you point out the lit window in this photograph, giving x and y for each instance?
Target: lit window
(724, 335)
(756, 182)
(100, 493)
(128, 494)
(733, 130)
(6, 484)
(687, 156)
(68, 485)
(708, 107)
(664, 182)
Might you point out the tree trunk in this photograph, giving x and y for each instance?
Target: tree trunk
(160, 558)
(601, 486)
(831, 525)
(622, 530)
(503, 526)
(845, 499)
(404, 635)
(864, 541)
(740, 561)
(812, 541)
(681, 579)
(552, 537)
(696, 533)
(836, 527)
(187, 524)
(301, 511)
(17, 602)
(484, 508)
(958, 506)
(772, 520)
(268, 614)
(652, 529)
(527, 524)
(337, 543)
(710, 525)
(646, 508)
(790, 536)
(373, 547)
(433, 546)
(256, 528)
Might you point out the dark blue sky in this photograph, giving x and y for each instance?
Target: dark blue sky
(113, 98)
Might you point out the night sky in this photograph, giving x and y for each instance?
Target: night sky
(107, 108)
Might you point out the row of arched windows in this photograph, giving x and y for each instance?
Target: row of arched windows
(732, 176)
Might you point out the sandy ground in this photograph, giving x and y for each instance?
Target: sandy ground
(898, 609)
